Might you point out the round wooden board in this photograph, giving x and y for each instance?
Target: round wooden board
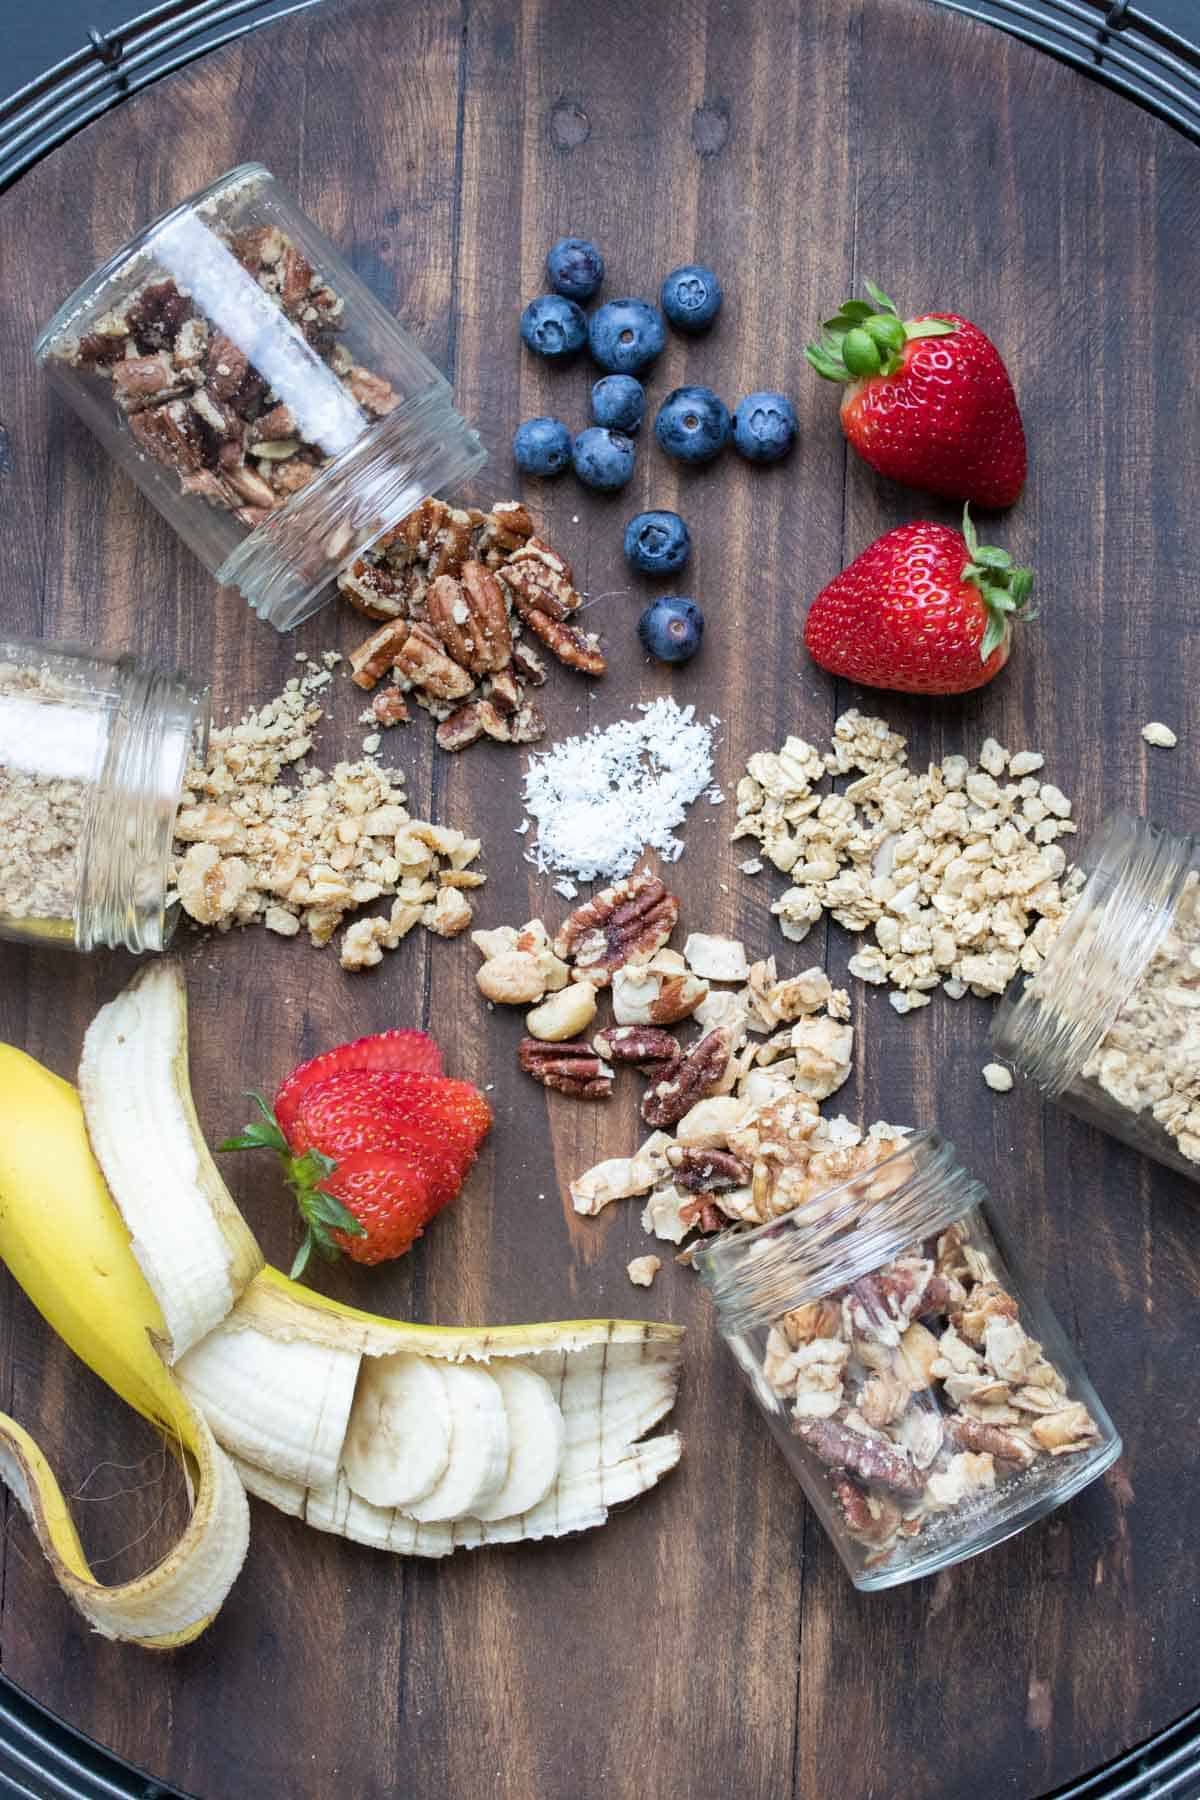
(706, 1642)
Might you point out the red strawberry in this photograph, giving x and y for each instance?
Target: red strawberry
(929, 400)
(924, 609)
(372, 1150)
(453, 1111)
(414, 1051)
(386, 1196)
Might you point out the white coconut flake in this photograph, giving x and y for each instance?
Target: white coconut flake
(599, 800)
(566, 887)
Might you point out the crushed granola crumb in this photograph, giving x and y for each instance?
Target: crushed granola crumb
(998, 1078)
(643, 1269)
(1160, 735)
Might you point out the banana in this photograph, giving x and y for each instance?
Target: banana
(193, 1245)
(262, 1386)
(479, 1447)
(63, 1240)
(398, 1442)
(535, 1435)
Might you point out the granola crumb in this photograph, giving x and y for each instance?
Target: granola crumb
(998, 1078)
(643, 1269)
(1160, 735)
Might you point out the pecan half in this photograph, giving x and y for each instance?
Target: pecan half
(871, 1518)
(665, 1102)
(470, 617)
(639, 1045)
(461, 729)
(621, 924)
(138, 380)
(424, 662)
(989, 1440)
(539, 581)
(571, 1068)
(853, 1453)
(171, 435)
(577, 649)
(501, 531)
(374, 657)
(710, 1172)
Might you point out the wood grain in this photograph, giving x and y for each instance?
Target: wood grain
(706, 1642)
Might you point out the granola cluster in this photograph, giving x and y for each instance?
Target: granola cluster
(466, 601)
(193, 398)
(42, 807)
(917, 1392)
(252, 849)
(956, 872)
(1149, 1058)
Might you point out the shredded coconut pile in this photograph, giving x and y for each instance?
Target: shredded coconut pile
(598, 801)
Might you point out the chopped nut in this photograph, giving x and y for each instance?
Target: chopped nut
(643, 1269)
(648, 994)
(643, 1046)
(716, 958)
(1160, 735)
(997, 1077)
(667, 1101)
(571, 1068)
(623, 924)
(564, 1014)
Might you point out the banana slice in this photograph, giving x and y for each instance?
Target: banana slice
(397, 1447)
(479, 1447)
(284, 1406)
(535, 1431)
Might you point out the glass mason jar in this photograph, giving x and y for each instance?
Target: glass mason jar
(93, 754)
(1110, 1024)
(257, 392)
(923, 1394)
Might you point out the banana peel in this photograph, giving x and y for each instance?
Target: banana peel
(154, 1279)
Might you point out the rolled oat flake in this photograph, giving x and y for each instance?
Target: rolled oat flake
(92, 755)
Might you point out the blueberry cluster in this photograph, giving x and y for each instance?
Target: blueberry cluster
(693, 424)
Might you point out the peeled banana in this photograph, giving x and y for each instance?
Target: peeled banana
(417, 1439)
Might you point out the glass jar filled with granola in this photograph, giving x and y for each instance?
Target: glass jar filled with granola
(923, 1394)
(1110, 1024)
(257, 392)
(93, 753)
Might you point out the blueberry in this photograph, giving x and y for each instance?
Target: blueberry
(619, 401)
(626, 335)
(691, 297)
(575, 268)
(671, 629)
(692, 424)
(657, 543)
(603, 459)
(764, 427)
(542, 446)
(553, 327)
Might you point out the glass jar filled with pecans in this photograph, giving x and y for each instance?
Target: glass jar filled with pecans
(1110, 1024)
(93, 753)
(257, 392)
(921, 1391)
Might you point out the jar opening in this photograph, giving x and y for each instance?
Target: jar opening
(839, 1235)
(1050, 1024)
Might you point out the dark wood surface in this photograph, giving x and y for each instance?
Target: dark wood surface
(706, 1642)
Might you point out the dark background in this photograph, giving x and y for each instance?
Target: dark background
(36, 34)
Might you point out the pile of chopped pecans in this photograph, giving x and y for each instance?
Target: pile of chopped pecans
(195, 402)
(251, 850)
(957, 871)
(1149, 1058)
(917, 1392)
(454, 590)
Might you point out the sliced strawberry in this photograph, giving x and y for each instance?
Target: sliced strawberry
(387, 1195)
(453, 1112)
(350, 1127)
(403, 1051)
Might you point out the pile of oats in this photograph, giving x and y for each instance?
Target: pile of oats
(956, 871)
(48, 738)
(253, 849)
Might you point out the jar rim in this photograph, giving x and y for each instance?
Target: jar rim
(839, 1235)
(1051, 1023)
(83, 296)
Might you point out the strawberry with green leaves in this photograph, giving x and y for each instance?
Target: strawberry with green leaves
(928, 401)
(924, 609)
(373, 1141)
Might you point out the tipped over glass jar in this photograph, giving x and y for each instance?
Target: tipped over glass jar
(921, 1391)
(1110, 1024)
(257, 392)
(93, 754)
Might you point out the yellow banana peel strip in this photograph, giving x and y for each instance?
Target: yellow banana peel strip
(64, 1241)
